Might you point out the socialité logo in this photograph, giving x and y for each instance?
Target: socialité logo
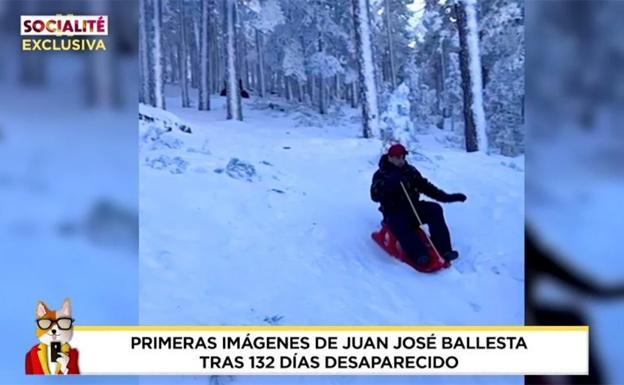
(63, 32)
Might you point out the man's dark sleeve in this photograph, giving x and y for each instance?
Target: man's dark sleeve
(377, 187)
(427, 188)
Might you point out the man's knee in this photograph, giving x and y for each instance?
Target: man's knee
(435, 210)
(431, 213)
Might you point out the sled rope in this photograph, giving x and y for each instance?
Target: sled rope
(418, 217)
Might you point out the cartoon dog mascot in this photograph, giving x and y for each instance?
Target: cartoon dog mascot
(53, 355)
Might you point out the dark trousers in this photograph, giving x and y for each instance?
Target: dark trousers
(403, 225)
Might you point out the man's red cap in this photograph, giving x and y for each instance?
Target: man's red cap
(397, 150)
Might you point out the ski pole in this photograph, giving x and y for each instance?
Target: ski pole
(418, 217)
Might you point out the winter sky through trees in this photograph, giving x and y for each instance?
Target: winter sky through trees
(409, 66)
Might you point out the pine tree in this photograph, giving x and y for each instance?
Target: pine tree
(267, 14)
(502, 37)
(293, 64)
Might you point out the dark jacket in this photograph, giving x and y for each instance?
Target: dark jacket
(386, 188)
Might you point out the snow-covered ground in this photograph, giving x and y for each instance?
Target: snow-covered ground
(268, 221)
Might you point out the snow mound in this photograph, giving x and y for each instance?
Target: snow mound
(203, 150)
(174, 165)
(155, 137)
(241, 170)
(161, 118)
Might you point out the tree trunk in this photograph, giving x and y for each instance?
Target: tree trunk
(239, 57)
(338, 89)
(321, 85)
(260, 65)
(299, 91)
(171, 66)
(439, 87)
(476, 73)
(469, 125)
(217, 80)
(287, 82)
(354, 94)
(183, 56)
(392, 68)
(245, 62)
(194, 53)
(368, 89)
(144, 65)
(205, 66)
(469, 83)
(311, 90)
(157, 62)
(446, 110)
(321, 81)
(232, 89)
(237, 33)
(253, 81)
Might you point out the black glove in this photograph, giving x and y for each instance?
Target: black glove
(457, 197)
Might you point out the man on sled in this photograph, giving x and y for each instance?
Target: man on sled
(391, 184)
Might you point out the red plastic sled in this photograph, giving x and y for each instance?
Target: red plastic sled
(391, 245)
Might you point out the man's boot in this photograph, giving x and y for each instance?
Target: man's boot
(450, 255)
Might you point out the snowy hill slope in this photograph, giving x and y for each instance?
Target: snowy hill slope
(281, 234)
